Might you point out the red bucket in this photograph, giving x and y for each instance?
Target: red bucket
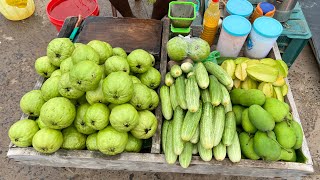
(59, 10)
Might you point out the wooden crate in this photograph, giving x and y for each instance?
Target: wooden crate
(155, 161)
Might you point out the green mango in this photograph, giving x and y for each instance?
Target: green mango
(266, 146)
(299, 134)
(260, 118)
(237, 109)
(250, 97)
(235, 95)
(288, 155)
(246, 144)
(246, 124)
(276, 108)
(285, 134)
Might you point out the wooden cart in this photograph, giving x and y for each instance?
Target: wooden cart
(152, 36)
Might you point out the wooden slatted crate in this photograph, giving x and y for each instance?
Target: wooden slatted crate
(154, 161)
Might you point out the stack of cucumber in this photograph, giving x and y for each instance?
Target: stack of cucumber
(196, 104)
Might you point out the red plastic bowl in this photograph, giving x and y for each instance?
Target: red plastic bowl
(57, 20)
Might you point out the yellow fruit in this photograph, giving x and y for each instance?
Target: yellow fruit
(229, 66)
(283, 68)
(240, 60)
(266, 88)
(252, 61)
(279, 82)
(278, 93)
(284, 89)
(262, 72)
(249, 84)
(269, 61)
(236, 83)
(241, 72)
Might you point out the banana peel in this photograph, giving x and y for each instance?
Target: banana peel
(236, 83)
(278, 92)
(269, 61)
(282, 68)
(267, 89)
(240, 60)
(241, 72)
(229, 66)
(262, 72)
(249, 84)
(279, 82)
(284, 89)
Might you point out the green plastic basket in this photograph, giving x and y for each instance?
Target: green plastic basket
(181, 13)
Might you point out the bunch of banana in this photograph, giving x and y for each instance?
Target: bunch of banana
(267, 75)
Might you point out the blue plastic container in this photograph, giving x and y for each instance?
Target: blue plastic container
(239, 7)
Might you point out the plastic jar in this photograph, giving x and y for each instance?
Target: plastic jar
(234, 32)
(16, 10)
(263, 35)
(239, 7)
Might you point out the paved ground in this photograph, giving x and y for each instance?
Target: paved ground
(22, 42)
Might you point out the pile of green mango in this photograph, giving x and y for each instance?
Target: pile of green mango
(267, 129)
(267, 75)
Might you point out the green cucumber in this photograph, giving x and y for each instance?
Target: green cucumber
(220, 152)
(181, 92)
(234, 150)
(165, 102)
(215, 91)
(186, 155)
(196, 136)
(218, 124)
(168, 80)
(164, 133)
(206, 126)
(178, 143)
(205, 95)
(175, 71)
(195, 149)
(229, 129)
(173, 96)
(220, 74)
(201, 75)
(190, 123)
(225, 96)
(192, 94)
(170, 156)
(205, 154)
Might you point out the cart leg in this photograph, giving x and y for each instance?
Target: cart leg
(114, 11)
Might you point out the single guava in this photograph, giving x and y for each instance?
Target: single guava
(124, 117)
(31, 103)
(134, 144)
(84, 53)
(96, 96)
(135, 79)
(141, 97)
(117, 87)
(102, 49)
(66, 89)
(117, 51)
(108, 45)
(58, 113)
(72, 139)
(66, 65)
(50, 88)
(57, 72)
(59, 49)
(85, 76)
(147, 126)
(91, 142)
(139, 61)
(111, 141)
(116, 63)
(177, 48)
(47, 140)
(154, 100)
(97, 116)
(151, 78)
(153, 60)
(199, 49)
(22, 132)
(40, 123)
(79, 121)
(44, 67)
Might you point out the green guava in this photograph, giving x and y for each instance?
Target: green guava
(81, 100)
(141, 98)
(139, 61)
(58, 113)
(44, 67)
(47, 140)
(22, 132)
(147, 126)
(154, 100)
(59, 49)
(102, 49)
(124, 117)
(40, 123)
(76, 45)
(103, 70)
(134, 144)
(79, 121)
(50, 88)
(72, 139)
(85, 76)
(31, 103)
(177, 48)
(116, 63)
(111, 141)
(135, 79)
(153, 60)
(97, 116)
(117, 51)
(66, 89)
(151, 78)
(91, 142)
(109, 46)
(199, 49)
(117, 87)
(57, 72)
(96, 96)
(66, 65)
(111, 106)
(85, 53)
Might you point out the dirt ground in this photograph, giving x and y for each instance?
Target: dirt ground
(22, 42)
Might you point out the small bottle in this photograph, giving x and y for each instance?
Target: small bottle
(211, 22)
